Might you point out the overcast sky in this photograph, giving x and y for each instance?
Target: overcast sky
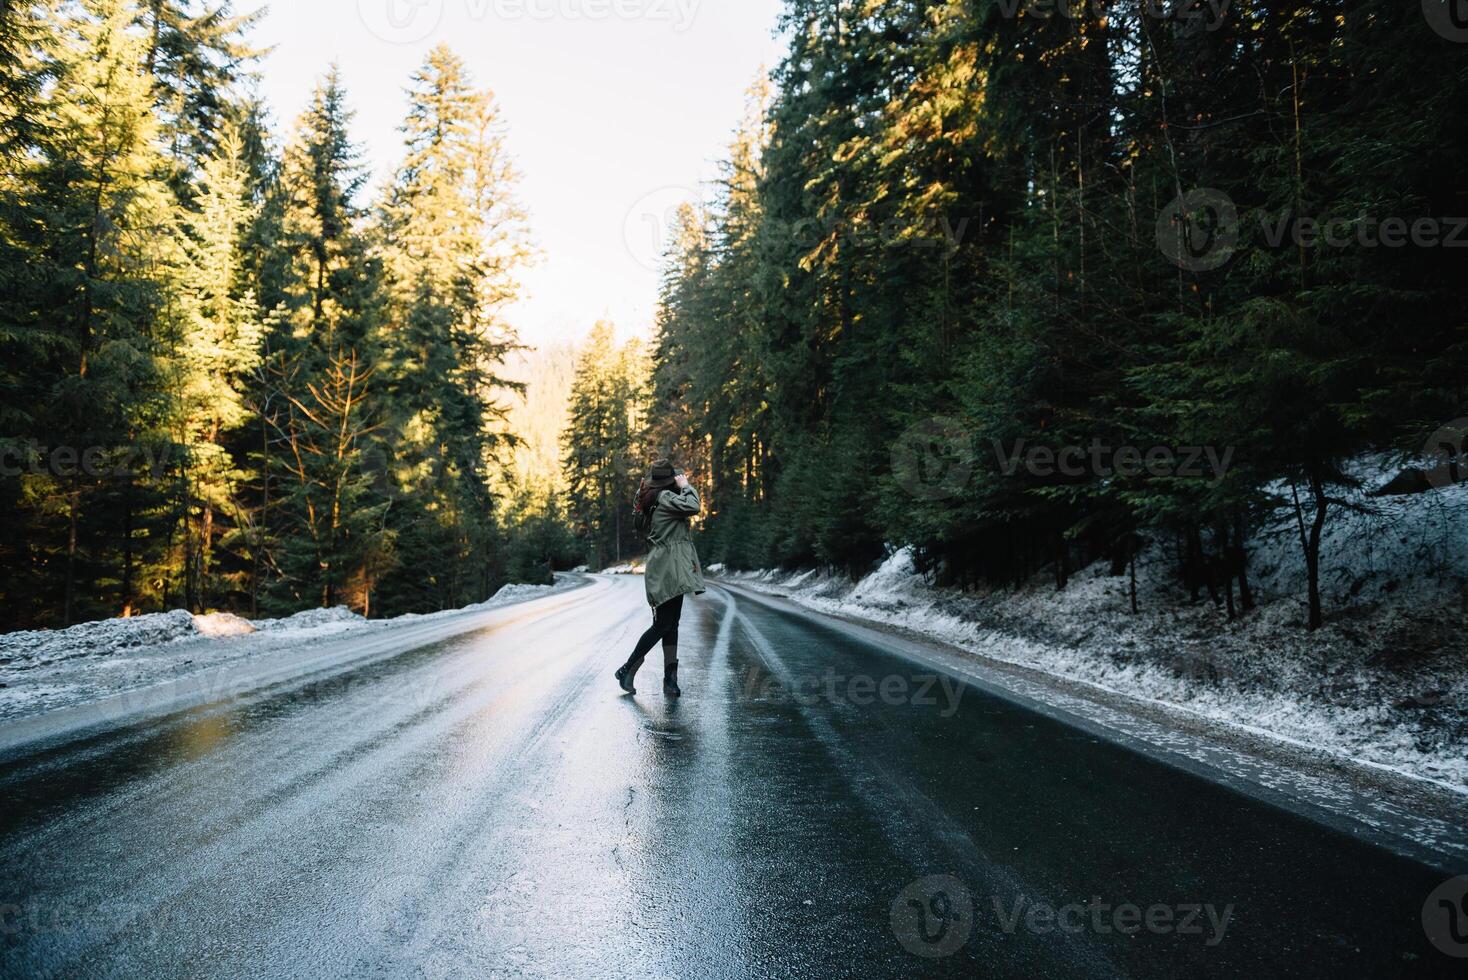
(617, 109)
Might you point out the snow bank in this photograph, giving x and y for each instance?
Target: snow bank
(38, 647)
(108, 637)
(1384, 682)
(333, 620)
(507, 595)
(1374, 547)
(46, 669)
(514, 592)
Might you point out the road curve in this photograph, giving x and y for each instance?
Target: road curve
(490, 805)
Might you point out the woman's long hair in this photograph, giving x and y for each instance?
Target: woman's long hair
(647, 497)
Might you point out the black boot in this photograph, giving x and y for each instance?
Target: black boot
(670, 681)
(626, 672)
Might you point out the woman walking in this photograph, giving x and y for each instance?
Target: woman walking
(665, 504)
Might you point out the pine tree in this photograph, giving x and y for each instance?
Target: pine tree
(195, 55)
(218, 353)
(452, 239)
(323, 352)
(108, 228)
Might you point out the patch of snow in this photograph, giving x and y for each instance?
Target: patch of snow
(314, 621)
(219, 625)
(507, 595)
(626, 568)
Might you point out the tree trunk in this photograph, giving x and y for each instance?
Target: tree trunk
(127, 547)
(262, 522)
(1133, 585)
(1225, 570)
(73, 505)
(1198, 572)
(205, 537)
(1312, 552)
(1241, 567)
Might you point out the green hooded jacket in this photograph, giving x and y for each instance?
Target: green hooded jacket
(672, 565)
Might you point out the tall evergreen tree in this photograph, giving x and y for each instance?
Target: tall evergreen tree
(323, 353)
(100, 185)
(216, 355)
(452, 240)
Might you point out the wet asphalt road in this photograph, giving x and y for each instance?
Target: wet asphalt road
(815, 806)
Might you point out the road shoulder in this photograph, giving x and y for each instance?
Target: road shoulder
(1417, 819)
(243, 665)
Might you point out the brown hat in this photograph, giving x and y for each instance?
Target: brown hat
(662, 473)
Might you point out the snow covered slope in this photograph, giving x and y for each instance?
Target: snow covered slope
(1384, 682)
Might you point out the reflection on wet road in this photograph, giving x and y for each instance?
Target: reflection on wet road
(490, 805)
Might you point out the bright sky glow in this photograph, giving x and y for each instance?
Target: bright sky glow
(617, 110)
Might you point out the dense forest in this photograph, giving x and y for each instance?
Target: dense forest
(957, 242)
(228, 380)
(1021, 286)
(606, 444)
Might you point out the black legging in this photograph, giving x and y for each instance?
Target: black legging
(664, 627)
